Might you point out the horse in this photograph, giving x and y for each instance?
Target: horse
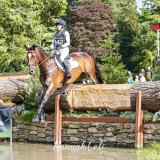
(52, 78)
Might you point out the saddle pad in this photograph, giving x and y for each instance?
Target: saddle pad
(72, 63)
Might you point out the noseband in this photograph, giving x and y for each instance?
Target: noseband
(45, 73)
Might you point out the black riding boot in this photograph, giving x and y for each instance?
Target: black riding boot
(68, 74)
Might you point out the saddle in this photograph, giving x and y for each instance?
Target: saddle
(71, 62)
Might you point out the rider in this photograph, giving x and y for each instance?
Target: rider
(61, 41)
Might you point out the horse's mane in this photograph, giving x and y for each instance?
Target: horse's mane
(35, 46)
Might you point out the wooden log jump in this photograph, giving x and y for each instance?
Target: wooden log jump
(138, 121)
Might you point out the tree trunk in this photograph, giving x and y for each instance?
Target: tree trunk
(158, 61)
(9, 89)
(114, 97)
(150, 95)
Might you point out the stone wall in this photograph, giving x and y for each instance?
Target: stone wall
(86, 133)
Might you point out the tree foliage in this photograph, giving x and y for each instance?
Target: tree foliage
(156, 76)
(26, 22)
(146, 41)
(113, 69)
(89, 23)
(126, 16)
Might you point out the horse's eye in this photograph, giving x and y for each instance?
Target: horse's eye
(34, 56)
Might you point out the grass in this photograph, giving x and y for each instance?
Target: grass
(27, 116)
(152, 152)
(7, 101)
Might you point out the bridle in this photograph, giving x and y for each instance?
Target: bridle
(37, 65)
(36, 59)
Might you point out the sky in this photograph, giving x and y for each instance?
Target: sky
(139, 4)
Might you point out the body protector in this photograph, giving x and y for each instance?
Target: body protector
(59, 39)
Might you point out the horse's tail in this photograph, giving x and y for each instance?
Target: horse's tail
(98, 74)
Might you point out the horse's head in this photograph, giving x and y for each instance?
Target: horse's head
(33, 58)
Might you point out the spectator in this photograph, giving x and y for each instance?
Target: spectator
(84, 83)
(142, 78)
(137, 78)
(143, 72)
(149, 74)
(130, 74)
(130, 79)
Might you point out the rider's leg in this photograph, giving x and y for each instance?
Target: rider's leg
(64, 54)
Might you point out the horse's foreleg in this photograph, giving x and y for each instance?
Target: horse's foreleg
(46, 95)
(40, 100)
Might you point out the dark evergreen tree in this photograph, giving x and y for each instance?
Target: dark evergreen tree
(113, 70)
(126, 16)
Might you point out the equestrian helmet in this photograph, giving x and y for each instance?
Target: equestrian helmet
(60, 21)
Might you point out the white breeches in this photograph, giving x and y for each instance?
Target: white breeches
(63, 53)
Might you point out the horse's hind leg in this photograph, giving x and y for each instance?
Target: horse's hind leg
(93, 78)
(75, 74)
(91, 73)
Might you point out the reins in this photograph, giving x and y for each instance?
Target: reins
(44, 73)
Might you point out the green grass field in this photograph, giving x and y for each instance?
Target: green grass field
(152, 152)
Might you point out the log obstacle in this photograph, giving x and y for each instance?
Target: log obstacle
(9, 89)
(138, 122)
(100, 96)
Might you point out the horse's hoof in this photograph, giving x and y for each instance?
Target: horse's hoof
(35, 118)
(42, 121)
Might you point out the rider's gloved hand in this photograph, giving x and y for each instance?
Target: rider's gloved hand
(58, 48)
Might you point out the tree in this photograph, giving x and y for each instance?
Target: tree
(113, 70)
(89, 23)
(26, 22)
(126, 16)
(156, 76)
(146, 40)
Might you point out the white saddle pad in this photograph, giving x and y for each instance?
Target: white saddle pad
(72, 63)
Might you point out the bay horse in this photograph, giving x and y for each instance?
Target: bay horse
(52, 78)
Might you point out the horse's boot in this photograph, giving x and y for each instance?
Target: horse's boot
(36, 118)
(41, 118)
(68, 74)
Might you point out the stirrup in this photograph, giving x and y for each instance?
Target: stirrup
(68, 74)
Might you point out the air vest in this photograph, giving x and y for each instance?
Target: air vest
(60, 38)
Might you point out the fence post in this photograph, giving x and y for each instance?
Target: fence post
(60, 126)
(56, 120)
(139, 122)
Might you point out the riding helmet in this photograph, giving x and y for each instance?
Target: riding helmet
(60, 21)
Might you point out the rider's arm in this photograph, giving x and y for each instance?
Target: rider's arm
(67, 36)
(53, 44)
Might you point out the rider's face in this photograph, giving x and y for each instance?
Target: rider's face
(59, 27)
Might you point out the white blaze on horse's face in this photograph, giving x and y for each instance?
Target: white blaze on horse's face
(29, 57)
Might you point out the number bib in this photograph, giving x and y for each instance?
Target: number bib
(59, 39)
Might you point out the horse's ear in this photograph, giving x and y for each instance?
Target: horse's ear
(33, 47)
(26, 47)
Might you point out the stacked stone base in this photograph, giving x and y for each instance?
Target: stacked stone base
(34, 132)
(85, 133)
